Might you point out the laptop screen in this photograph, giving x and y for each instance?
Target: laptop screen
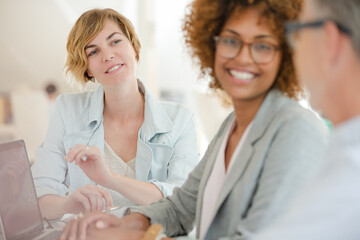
(19, 210)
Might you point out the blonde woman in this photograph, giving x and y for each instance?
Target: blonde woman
(117, 145)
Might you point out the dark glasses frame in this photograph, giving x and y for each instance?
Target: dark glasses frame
(292, 26)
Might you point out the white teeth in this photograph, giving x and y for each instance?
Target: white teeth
(113, 68)
(242, 75)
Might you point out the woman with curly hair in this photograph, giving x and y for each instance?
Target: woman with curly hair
(263, 152)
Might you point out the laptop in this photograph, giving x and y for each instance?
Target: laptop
(20, 217)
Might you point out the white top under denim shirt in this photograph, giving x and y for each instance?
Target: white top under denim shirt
(166, 149)
(120, 167)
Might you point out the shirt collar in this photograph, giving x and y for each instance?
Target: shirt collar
(273, 102)
(156, 119)
(347, 132)
(96, 106)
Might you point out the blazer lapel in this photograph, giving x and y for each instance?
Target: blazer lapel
(235, 173)
(261, 121)
(211, 155)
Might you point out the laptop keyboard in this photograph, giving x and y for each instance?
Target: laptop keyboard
(51, 236)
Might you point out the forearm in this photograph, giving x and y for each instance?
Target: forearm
(51, 206)
(142, 193)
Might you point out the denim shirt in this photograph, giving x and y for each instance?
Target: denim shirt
(166, 148)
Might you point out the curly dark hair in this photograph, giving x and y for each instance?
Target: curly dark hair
(206, 18)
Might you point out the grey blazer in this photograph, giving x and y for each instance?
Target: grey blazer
(283, 147)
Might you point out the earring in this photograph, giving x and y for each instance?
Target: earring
(92, 79)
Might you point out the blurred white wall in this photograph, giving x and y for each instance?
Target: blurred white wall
(33, 46)
(30, 110)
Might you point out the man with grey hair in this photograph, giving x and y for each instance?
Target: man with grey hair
(326, 43)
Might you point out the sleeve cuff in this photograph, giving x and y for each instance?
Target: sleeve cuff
(42, 191)
(165, 188)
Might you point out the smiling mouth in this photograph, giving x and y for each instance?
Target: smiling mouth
(114, 68)
(241, 75)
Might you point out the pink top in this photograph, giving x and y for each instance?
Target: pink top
(217, 179)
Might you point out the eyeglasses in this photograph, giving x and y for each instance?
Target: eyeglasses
(293, 28)
(229, 47)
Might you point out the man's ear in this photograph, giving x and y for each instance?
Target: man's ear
(332, 43)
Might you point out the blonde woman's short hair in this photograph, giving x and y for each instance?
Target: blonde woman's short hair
(85, 29)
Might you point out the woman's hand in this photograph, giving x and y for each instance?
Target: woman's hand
(90, 160)
(118, 234)
(114, 233)
(87, 199)
(78, 229)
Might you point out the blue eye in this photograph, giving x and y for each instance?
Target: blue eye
(116, 42)
(92, 53)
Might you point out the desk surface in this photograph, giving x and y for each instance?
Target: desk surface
(58, 225)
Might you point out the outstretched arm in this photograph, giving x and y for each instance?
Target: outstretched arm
(86, 199)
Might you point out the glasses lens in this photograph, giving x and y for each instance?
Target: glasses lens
(262, 52)
(228, 47)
